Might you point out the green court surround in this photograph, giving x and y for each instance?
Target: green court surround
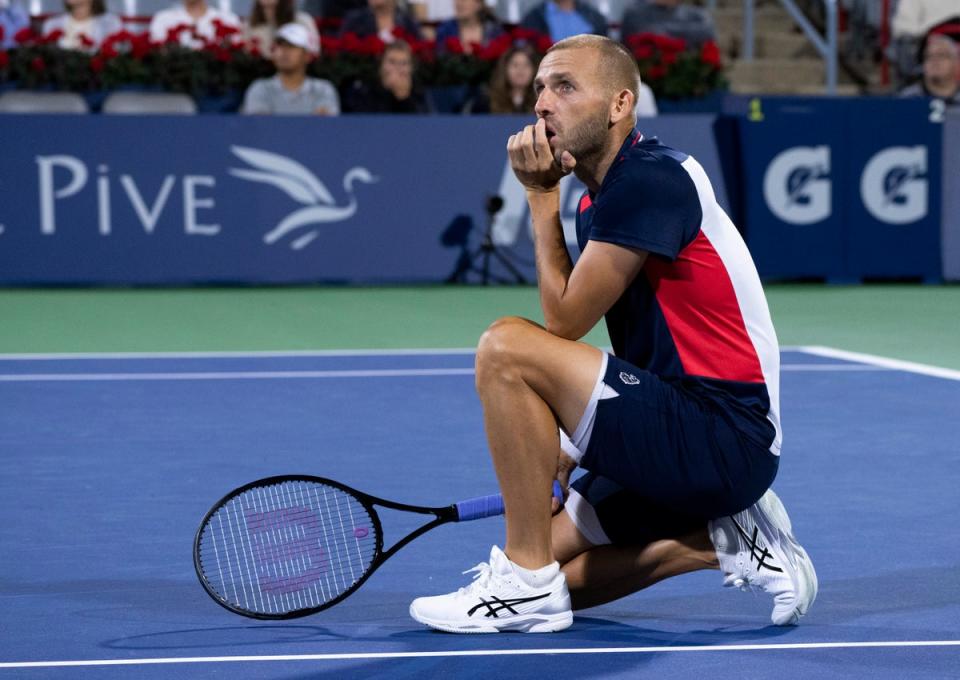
(911, 322)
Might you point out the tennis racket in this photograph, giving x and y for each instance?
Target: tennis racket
(290, 546)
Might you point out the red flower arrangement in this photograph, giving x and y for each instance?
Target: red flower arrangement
(224, 63)
(672, 70)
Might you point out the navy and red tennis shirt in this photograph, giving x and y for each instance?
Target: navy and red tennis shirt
(696, 314)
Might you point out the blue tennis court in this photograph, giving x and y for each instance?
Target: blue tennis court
(109, 462)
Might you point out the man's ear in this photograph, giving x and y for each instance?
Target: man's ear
(623, 104)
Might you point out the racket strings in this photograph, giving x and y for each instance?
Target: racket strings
(287, 546)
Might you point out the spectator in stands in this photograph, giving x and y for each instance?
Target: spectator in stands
(941, 71)
(291, 91)
(395, 90)
(511, 86)
(911, 21)
(83, 25)
(13, 18)
(380, 18)
(473, 24)
(196, 15)
(564, 18)
(674, 18)
(916, 17)
(267, 15)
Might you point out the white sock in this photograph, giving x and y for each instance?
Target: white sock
(535, 578)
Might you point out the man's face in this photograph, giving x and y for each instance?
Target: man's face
(289, 58)
(573, 102)
(941, 64)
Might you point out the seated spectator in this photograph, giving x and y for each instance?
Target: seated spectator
(916, 17)
(646, 101)
(13, 18)
(395, 90)
(669, 17)
(380, 18)
(196, 15)
(291, 91)
(83, 25)
(564, 18)
(511, 86)
(267, 15)
(911, 21)
(473, 24)
(941, 70)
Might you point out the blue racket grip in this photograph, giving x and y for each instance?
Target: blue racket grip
(492, 506)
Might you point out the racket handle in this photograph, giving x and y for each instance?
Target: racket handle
(492, 506)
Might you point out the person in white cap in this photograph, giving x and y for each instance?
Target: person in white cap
(291, 91)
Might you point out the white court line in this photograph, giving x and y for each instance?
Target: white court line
(484, 652)
(234, 375)
(258, 354)
(813, 368)
(316, 375)
(253, 354)
(884, 362)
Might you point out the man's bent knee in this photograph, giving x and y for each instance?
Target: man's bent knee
(498, 349)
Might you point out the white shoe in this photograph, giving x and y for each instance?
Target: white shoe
(499, 599)
(756, 548)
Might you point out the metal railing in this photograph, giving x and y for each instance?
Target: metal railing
(826, 46)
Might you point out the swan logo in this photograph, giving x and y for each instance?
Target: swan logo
(796, 185)
(301, 185)
(894, 184)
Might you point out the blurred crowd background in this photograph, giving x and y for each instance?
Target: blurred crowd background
(450, 56)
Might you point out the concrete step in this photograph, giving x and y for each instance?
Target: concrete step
(782, 45)
(773, 45)
(778, 73)
(844, 90)
(765, 19)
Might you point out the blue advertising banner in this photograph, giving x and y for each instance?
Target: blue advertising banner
(842, 189)
(951, 196)
(356, 199)
(794, 224)
(893, 149)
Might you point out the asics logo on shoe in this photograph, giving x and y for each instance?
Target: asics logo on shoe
(496, 605)
(757, 551)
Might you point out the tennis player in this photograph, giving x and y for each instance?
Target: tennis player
(678, 430)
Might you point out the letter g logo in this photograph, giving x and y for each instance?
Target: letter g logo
(894, 184)
(797, 185)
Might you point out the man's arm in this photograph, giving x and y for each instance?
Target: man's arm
(575, 298)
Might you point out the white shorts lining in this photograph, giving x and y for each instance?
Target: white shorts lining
(584, 518)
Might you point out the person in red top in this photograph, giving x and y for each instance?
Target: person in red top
(679, 429)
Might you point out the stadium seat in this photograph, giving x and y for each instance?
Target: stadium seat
(42, 102)
(149, 102)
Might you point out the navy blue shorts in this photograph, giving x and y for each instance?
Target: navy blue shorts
(662, 461)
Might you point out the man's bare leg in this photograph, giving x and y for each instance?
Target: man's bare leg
(600, 574)
(528, 380)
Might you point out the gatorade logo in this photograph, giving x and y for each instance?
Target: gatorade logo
(797, 185)
(893, 185)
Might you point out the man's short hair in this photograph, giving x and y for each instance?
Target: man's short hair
(617, 66)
